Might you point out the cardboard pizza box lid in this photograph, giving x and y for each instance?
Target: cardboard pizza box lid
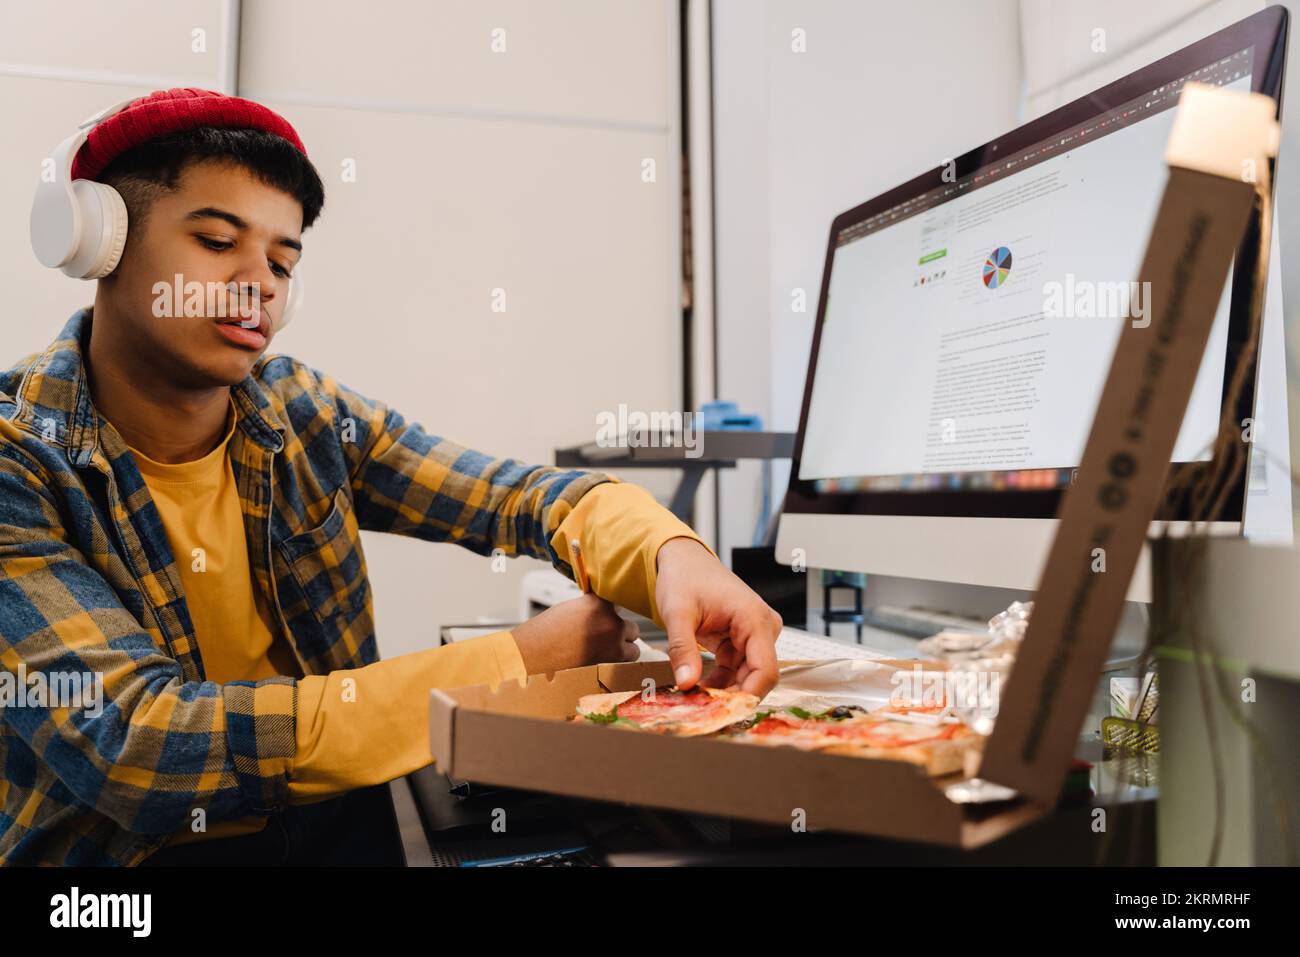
(1201, 221)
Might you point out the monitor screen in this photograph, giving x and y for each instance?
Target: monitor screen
(967, 331)
(968, 318)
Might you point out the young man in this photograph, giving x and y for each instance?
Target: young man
(180, 515)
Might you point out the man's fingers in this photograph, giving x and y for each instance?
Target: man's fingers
(682, 651)
(628, 649)
(730, 678)
(631, 630)
(727, 655)
(720, 678)
(758, 640)
(759, 681)
(742, 675)
(726, 658)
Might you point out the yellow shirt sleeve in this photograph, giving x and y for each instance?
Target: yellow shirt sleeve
(621, 528)
(370, 725)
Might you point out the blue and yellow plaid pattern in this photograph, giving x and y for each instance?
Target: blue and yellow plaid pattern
(88, 584)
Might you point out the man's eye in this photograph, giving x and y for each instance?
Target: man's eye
(220, 246)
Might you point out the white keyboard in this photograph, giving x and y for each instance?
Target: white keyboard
(796, 645)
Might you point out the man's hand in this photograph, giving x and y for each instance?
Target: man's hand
(701, 602)
(582, 631)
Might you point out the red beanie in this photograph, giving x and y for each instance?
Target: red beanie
(167, 111)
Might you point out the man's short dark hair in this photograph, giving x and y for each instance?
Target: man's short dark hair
(146, 171)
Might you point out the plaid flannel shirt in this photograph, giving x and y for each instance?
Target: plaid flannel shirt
(88, 585)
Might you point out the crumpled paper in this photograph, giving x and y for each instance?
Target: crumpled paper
(961, 670)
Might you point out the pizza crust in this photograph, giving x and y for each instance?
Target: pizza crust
(944, 756)
(603, 703)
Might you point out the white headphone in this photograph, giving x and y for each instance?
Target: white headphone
(79, 226)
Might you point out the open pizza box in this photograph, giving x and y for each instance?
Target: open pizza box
(517, 735)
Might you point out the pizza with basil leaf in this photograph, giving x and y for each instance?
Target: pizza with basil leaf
(938, 746)
(666, 710)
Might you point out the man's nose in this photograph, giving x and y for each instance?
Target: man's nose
(253, 287)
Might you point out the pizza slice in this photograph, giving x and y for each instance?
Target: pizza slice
(666, 710)
(939, 748)
(798, 728)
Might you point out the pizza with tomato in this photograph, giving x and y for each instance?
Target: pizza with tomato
(666, 710)
(938, 746)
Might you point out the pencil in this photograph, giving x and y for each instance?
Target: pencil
(579, 566)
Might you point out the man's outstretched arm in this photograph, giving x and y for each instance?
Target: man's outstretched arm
(638, 554)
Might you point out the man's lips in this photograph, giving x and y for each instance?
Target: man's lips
(257, 321)
(249, 333)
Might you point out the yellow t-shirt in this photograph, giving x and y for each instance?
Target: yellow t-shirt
(345, 734)
(369, 725)
(199, 506)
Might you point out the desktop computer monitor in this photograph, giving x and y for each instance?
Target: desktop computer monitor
(966, 324)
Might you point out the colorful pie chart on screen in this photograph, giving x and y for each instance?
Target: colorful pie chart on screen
(997, 267)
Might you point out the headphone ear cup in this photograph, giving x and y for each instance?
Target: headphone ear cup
(294, 301)
(103, 230)
(55, 225)
(121, 222)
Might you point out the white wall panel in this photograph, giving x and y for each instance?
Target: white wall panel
(177, 42)
(564, 60)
